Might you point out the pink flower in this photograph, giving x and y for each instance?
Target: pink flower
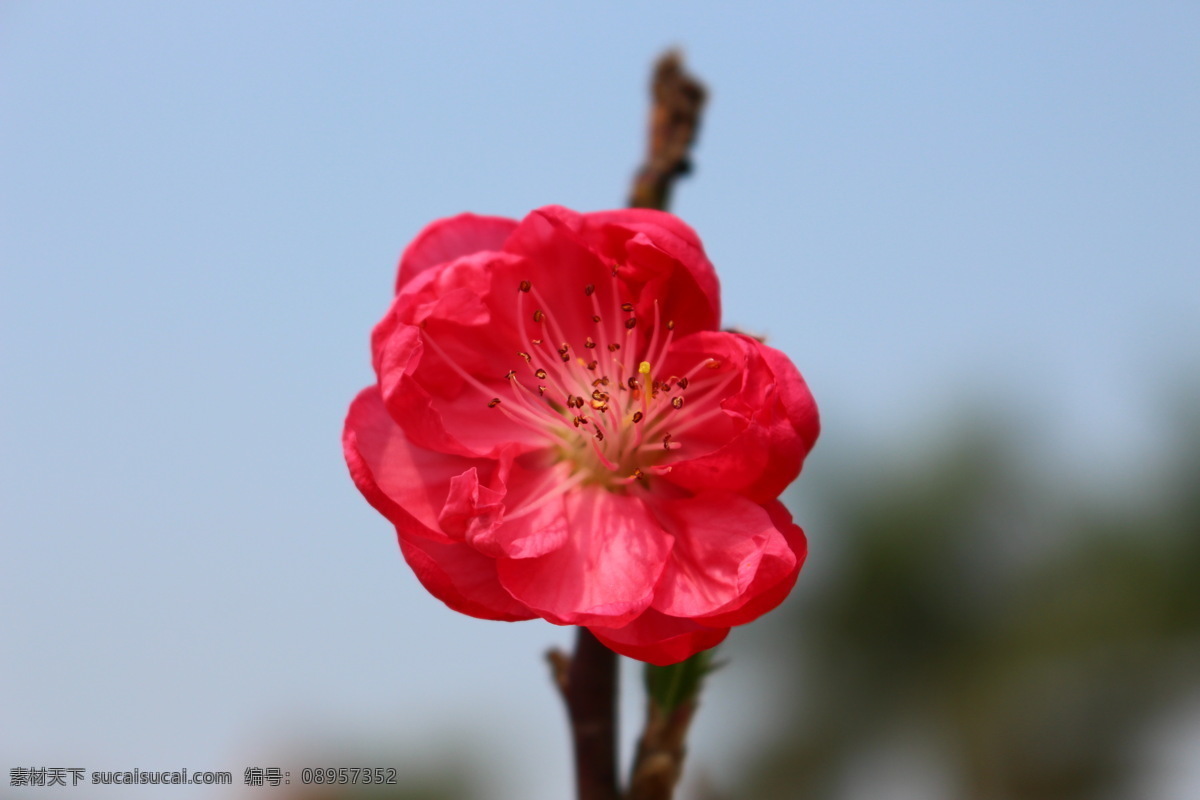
(560, 430)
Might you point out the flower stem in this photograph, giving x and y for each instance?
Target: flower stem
(672, 696)
(588, 682)
(674, 121)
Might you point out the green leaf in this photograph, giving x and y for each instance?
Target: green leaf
(671, 687)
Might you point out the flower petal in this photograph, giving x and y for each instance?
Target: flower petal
(671, 235)
(416, 489)
(660, 639)
(719, 544)
(654, 264)
(462, 579)
(449, 238)
(535, 520)
(755, 436)
(442, 353)
(777, 571)
(605, 572)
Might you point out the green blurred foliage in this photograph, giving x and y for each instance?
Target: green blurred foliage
(1025, 633)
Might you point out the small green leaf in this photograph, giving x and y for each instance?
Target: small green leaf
(670, 687)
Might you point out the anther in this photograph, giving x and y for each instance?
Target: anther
(599, 435)
(595, 317)
(670, 324)
(524, 355)
(677, 401)
(714, 364)
(541, 374)
(633, 382)
(683, 383)
(592, 365)
(588, 343)
(667, 442)
(589, 289)
(541, 390)
(495, 401)
(599, 395)
(637, 416)
(627, 306)
(537, 341)
(614, 347)
(629, 323)
(512, 373)
(538, 316)
(526, 286)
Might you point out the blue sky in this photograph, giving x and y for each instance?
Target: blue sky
(201, 205)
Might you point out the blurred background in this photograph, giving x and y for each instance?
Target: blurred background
(972, 226)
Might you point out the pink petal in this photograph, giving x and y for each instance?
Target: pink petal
(719, 543)
(449, 238)
(675, 238)
(660, 639)
(654, 263)
(605, 572)
(410, 485)
(462, 579)
(776, 575)
(766, 426)
(442, 353)
(535, 522)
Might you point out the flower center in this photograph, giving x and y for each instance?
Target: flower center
(599, 394)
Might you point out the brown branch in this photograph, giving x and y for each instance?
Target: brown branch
(660, 753)
(678, 99)
(588, 683)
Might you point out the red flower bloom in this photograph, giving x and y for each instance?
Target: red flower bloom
(560, 430)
